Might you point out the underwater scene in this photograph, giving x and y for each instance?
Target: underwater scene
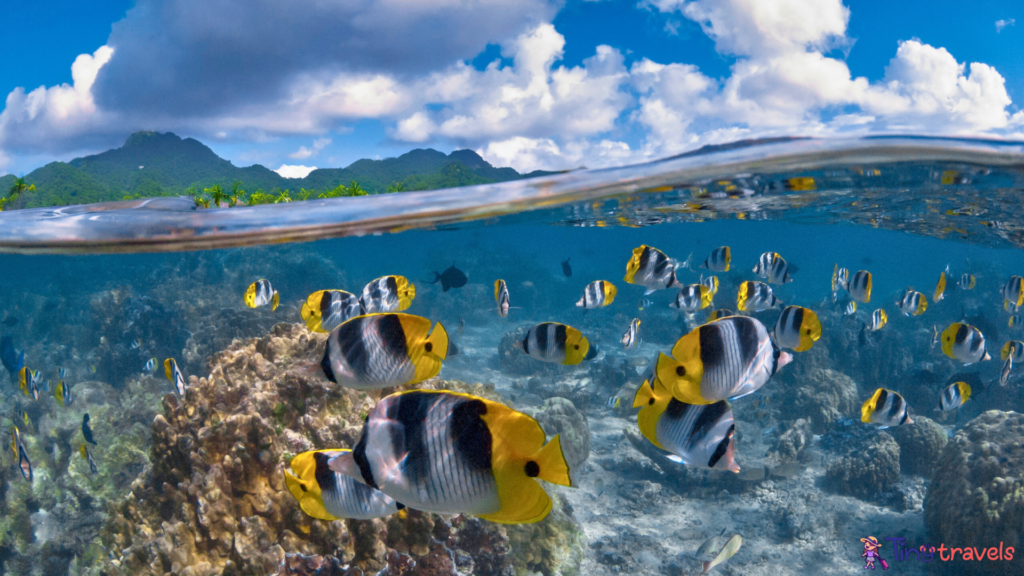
(796, 357)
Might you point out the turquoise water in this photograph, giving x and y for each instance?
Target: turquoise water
(173, 502)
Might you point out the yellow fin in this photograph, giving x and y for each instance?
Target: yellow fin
(949, 338)
(311, 311)
(426, 349)
(497, 289)
(743, 295)
(810, 330)
(965, 390)
(869, 406)
(169, 369)
(634, 264)
(653, 399)
(705, 296)
(83, 451)
(679, 381)
(921, 306)
(275, 300)
(644, 395)
(406, 292)
(303, 486)
(609, 292)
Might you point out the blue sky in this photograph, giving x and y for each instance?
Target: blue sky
(527, 83)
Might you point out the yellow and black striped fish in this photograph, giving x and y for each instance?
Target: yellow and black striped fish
(967, 282)
(1012, 351)
(87, 456)
(727, 358)
(840, 279)
(381, 350)
(597, 294)
(912, 303)
(174, 375)
(851, 308)
(554, 342)
(879, 318)
(452, 453)
(773, 266)
(965, 343)
(885, 408)
(20, 454)
(954, 396)
(711, 282)
(387, 294)
(719, 260)
(696, 434)
(325, 310)
(859, 286)
(328, 495)
(692, 297)
(798, 328)
(261, 293)
(1013, 292)
(501, 297)
(755, 296)
(62, 392)
(650, 268)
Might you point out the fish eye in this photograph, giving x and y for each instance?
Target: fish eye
(532, 469)
(428, 347)
(680, 371)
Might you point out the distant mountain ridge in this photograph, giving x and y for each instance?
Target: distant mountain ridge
(164, 164)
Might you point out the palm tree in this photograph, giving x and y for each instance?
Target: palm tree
(217, 194)
(355, 190)
(236, 193)
(397, 187)
(19, 187)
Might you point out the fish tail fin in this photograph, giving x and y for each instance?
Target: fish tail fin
(439, 340)
(644, 395)
(437, 278)
(553, 467)
(275, 300)
(168, 371)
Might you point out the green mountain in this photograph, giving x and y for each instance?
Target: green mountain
(155, 164)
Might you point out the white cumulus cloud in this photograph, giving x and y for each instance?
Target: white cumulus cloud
(1000, 24)
(287, 171)
(302, 153)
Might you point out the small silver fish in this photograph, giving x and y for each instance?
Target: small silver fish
(632, 336)
(851, 308)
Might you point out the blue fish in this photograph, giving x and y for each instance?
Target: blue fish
(11, 359)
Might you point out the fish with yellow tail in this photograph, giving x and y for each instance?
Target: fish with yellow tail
(387, 294)
(965, 343)
(452, 453)
(851, 308)
(940, 286)
(87, 456)
(859, 286)
(711, 282)
(558, 343)
(381, 350)
(798, 328)
(1012, 351)
(1013, 292)
(879, 318)
(773, 266)
(840, 278)
(597, 294)
(756, 296)
(728, 551)
(696, 434)
(632, 336)
(62, 392)
(325, 310)
(885, 408)
(724, 359)
(29, 381)
(501, 297)
(21, 454)
(261, 293)
(150, 365)
(912, 303)
(967, 282)
(692, 298)
(954, 396)
(652, 269)
(173, 374)
(719, 260)
(328, 495)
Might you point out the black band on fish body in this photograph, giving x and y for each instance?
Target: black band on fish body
(325, 364)
(722, 448)
(359, 456)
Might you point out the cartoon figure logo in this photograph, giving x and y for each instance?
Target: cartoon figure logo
(870, 554)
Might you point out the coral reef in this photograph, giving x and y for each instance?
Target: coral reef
(822, 397)
(213, 499)
(976, 496)
(870, 470)
(792, 443)
(921, 445)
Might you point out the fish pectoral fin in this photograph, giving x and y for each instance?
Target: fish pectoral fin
(650, 291)
(674, 458)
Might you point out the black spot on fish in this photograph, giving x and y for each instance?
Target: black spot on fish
(450, 278)
(680, 371)
(471, 437)
(428, 346)
(532, 469)
(566, 269)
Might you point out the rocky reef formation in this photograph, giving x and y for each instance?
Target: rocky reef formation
(869, 470)
(821, 397)
(213, 500)
(921, 445)
(976, 496)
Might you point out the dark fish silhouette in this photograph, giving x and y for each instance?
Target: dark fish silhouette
(450, 278)
(10, 357)
(86, 431)
(566, 269)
